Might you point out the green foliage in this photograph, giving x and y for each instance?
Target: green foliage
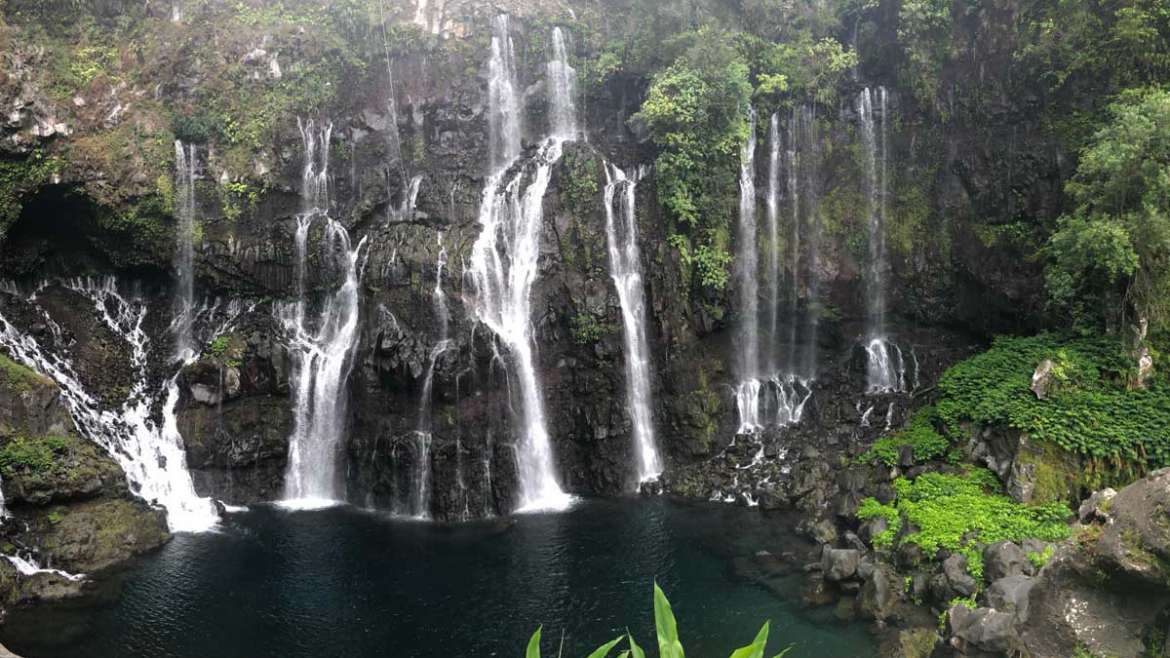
(803, 69)
(33, 455)
(953, 512)
(582, 189)
(1113, 251)
(587, 329)
(16, 378)
(219, 345)
(1089, 412)
(19, 178)
(666, 630)
(1041, 558)
(870, 508)
(920, 435)
(695, 110)
(924, 28)
(1110, 44)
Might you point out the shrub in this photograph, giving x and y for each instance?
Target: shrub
(1090, 412)
(920, 435)
(669, 645)
(36, 455)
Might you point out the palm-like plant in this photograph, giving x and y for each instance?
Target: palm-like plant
(669, 645)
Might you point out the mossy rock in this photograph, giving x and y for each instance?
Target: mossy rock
(16, 378)
(38, 470)
(911, 643)
(1044, 472)
(94, 535)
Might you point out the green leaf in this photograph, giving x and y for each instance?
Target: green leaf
(604, 650)
(664, 623)
(635, 650)
(756, 648)
(783, 653)
(534, 645)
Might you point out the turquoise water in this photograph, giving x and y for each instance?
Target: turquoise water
(347, 583)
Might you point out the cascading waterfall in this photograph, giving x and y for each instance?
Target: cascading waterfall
(562, 89)
(186, 164)
(885, 371)
(621, 232)
(504, 259)
(767, 395)
(421, 502)
(747, 395)
(322, 349)
(152, 457)
(504, 110)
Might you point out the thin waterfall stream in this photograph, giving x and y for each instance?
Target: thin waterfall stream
(621, 231)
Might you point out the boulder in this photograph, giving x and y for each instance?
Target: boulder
(1010, 594)
(984, 629)
(881, 593)
(960, 581)
(1043, 379)
(910, 643)
(1003, 559)
(840, 563)
(1096, 507)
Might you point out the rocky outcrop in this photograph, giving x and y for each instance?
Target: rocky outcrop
(70, 504)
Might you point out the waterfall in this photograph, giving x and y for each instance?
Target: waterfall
(562, 90)
(503, 102)
(504, 259)
(746, 269)
(27, 566)
(186, 163)
(405, 210)
(421, 503)
(152, 457)
(774, 244)
(621, 232)
(322, 349)
(809, 184)
(885, 369)
(769, 394)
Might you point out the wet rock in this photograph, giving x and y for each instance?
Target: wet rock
(816, 592)
(97, 534)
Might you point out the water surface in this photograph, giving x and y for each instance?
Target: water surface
(347, 583)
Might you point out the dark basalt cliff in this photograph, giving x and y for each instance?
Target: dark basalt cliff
(88, 178)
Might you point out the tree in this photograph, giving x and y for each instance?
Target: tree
(1109, 259)
(695, 110)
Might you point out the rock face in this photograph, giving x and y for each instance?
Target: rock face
(409, 147)
(70, 503)
(1106, 589)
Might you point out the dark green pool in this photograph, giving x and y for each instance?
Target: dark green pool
(347, 583)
